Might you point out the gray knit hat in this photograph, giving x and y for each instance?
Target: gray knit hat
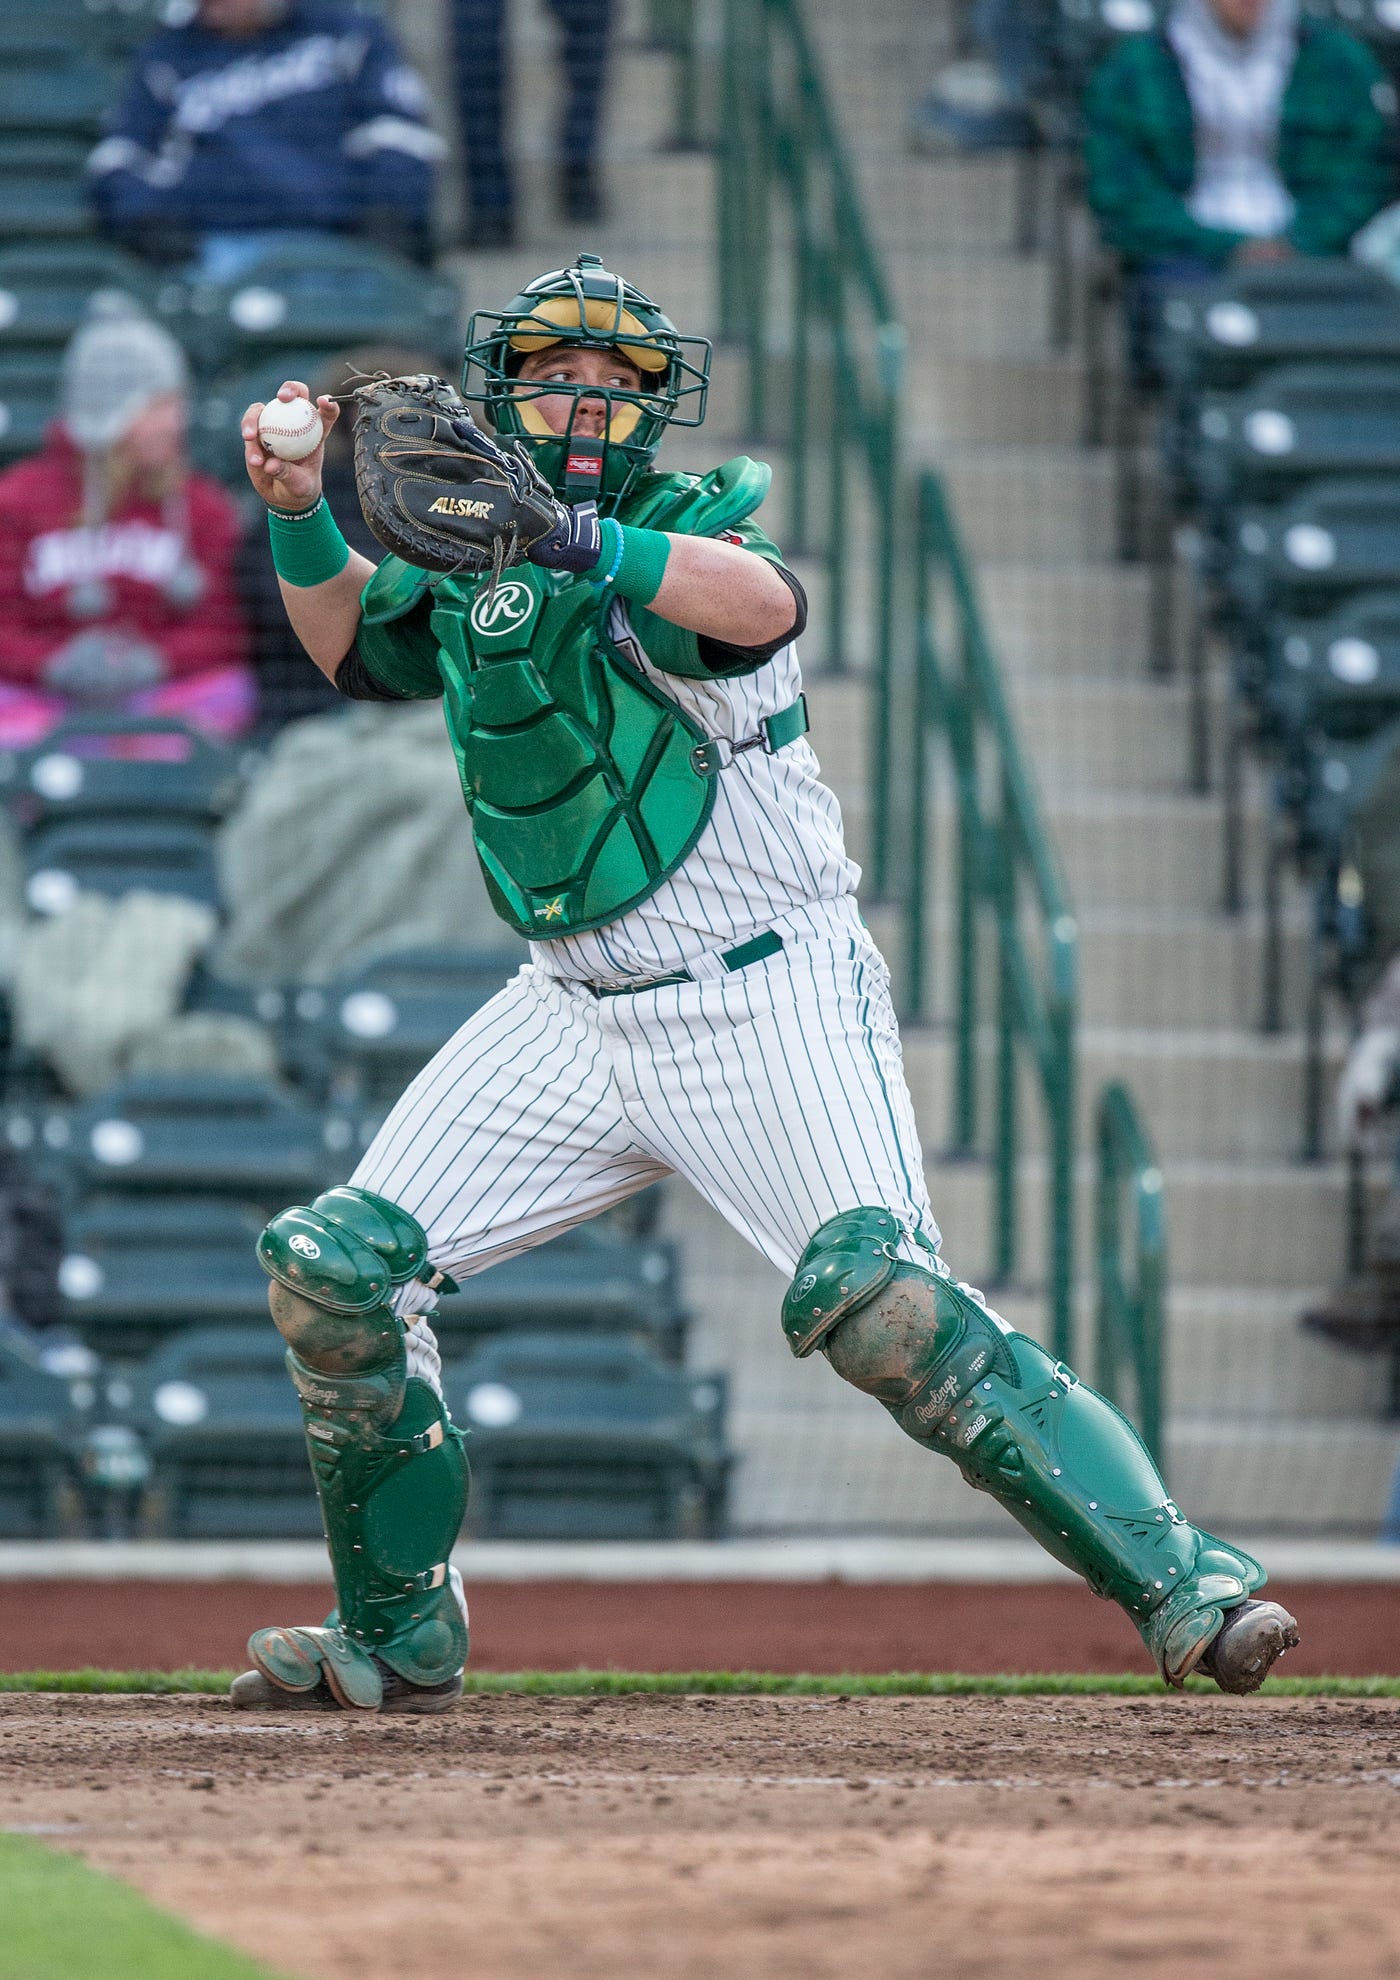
(114, 366)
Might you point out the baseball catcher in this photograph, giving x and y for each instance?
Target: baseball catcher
(615, 650)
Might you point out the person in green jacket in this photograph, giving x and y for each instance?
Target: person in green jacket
(1235, 133)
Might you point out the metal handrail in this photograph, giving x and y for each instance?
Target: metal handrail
(1131, 1310)
(839, 340)
(802, 286)
(1004, 863)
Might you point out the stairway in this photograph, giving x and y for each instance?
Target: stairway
(1269, 1428)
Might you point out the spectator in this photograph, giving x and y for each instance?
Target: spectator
(266, 117)
(479, 46)
(981, 101)
(116, 561)
(1238, 132)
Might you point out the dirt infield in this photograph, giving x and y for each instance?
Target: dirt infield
(1348, 1629)
(534, 1838)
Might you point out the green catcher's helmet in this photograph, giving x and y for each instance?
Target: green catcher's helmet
(586, 306)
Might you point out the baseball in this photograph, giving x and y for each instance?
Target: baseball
(290, 428)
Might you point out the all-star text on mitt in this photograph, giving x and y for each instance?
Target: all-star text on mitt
(435, 489)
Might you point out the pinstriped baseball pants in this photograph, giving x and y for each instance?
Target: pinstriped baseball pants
(777, 1091)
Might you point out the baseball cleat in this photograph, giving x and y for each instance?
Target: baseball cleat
(1247, 1645)
(252, 1692)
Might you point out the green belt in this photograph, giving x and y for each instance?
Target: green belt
(775, 732)
(752, 951)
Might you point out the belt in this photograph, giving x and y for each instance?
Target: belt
(752, 951)
(775, 732)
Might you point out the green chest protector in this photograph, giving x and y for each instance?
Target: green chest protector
(587, 784)
(577, 771)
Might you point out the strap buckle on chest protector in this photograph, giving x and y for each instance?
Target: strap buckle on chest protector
(775, 732)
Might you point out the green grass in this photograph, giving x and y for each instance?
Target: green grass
(62, 1919)
(735, 1684)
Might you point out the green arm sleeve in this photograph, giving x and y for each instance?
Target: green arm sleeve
(395, 640)
(675, 649)
(1338, 143)
(1126, 118)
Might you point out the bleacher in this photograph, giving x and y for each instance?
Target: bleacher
(164, 1407)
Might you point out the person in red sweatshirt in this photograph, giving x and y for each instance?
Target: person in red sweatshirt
(116, 558)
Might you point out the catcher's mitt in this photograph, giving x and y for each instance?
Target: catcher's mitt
(435, 489)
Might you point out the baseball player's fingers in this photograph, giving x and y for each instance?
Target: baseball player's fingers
(292, 388)
(248, 425)
(329, 410)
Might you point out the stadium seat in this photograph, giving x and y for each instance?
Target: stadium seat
(46, 289)
(1221, 334)
(326, 294)
(87, 765)
(40, 1441)
(136, 1271)
(51, 82)
(223, 1427)
(364, 1037)
(29, 384)
(101, 854)
(200, 1135)
(1296, 424)
(589, 1439)
(588, 1280)
(1338, 677)
(43, 187)
(1333, 539)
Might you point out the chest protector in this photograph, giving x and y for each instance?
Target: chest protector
(576, 769)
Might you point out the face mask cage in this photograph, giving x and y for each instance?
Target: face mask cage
(675, 375)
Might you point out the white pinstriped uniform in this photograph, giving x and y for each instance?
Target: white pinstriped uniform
(777, 1090)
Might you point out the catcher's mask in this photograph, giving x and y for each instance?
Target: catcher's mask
(586, 306)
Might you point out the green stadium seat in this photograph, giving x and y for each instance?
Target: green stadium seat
(1332, 540)
(29, 387)
(49, 82)
(136, 1271)
(200, 1135)
(40, 1441)
(47, 288)
(101, 854)
(589, 1439)
(364, 1037)
(1219, 335)
(319, 294)
(76, 771)
(1337, 677)
(590, 1280)
(43, 187)
(223, 1427)
(1296, 424)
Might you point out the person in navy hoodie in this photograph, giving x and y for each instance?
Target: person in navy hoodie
(264, 117)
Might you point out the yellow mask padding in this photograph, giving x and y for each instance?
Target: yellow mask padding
(598, 316)
(621, 420)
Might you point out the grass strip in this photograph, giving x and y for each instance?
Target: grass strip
(735, 1684)
(63, 1918)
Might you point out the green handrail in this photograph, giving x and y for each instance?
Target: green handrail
(1004, 863)
(1131, 1312)
(674, 25)
(832, 339)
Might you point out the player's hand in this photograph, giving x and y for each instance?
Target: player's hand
(286, 484)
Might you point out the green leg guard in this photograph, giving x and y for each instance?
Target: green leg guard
(1019, 1425)
(389, 1465)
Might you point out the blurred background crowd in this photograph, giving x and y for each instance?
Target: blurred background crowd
(1143, 261)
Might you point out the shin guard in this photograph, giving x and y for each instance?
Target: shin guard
(1019, 1425)
(389, 1465)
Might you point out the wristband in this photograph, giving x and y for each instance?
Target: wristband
(307, 546)
(633, 561)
